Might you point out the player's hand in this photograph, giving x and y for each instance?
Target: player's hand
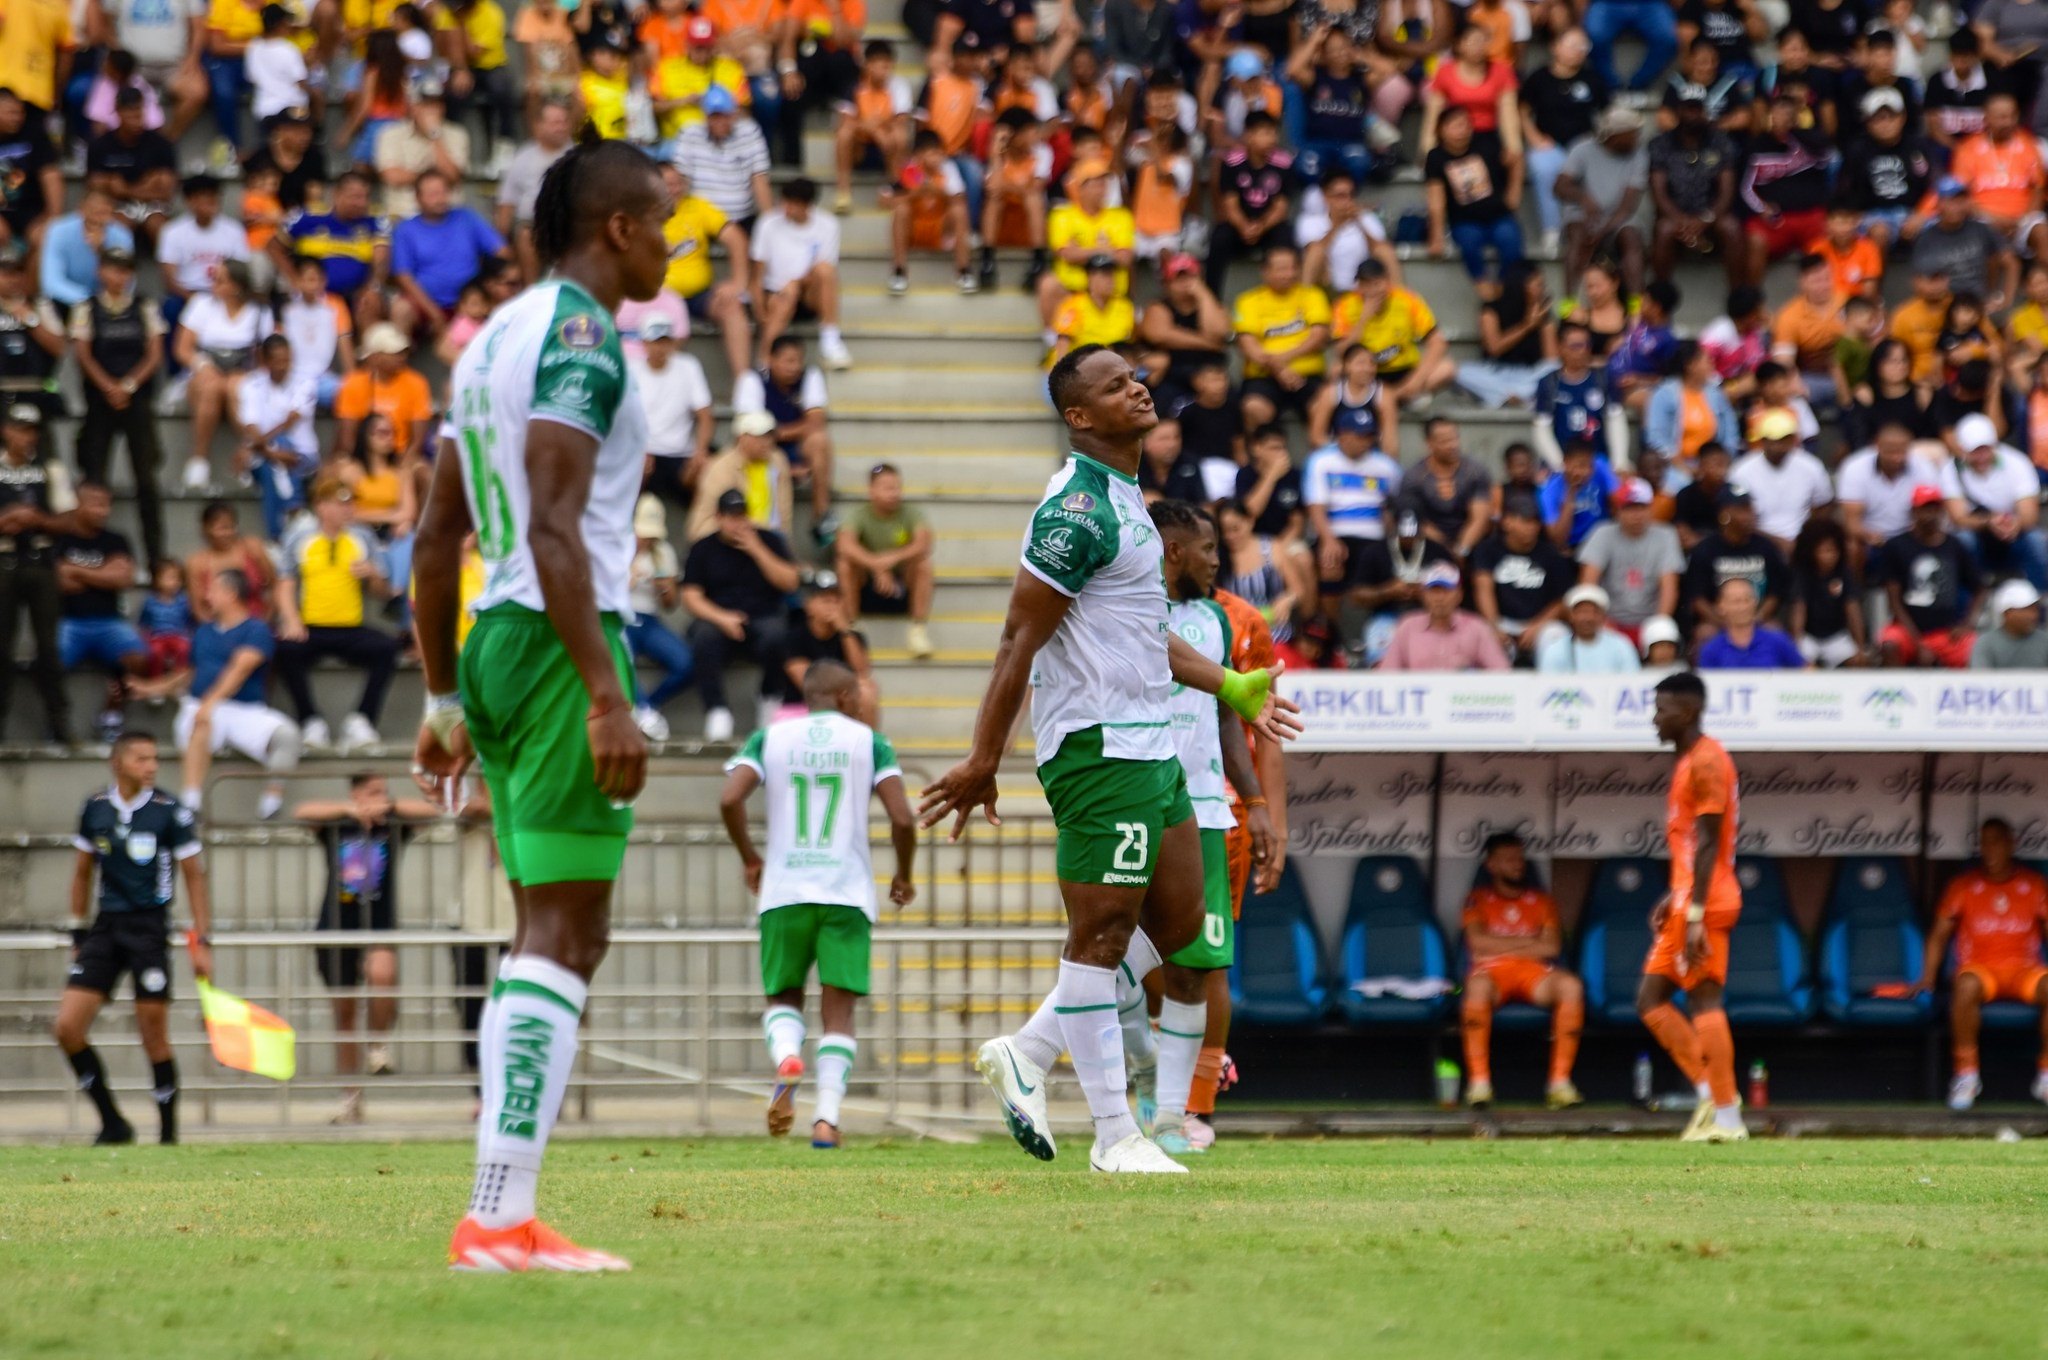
(751, 871)
(1659, 914)
(902, 891)
(1267, 852)
(957, 793)
(1695, 943)
(617, 751)
(202, 956)
(1280, 719)
(435, 759)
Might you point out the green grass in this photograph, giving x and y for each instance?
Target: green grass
(896, 1248)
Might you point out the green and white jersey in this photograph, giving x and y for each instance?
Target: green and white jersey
(1091, 539)
(1204, 626)
(551, 354)
(819, 771)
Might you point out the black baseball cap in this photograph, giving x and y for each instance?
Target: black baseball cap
(1736, 495)
(732, 503)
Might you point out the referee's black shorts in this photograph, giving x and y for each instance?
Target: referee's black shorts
(342, 967)
(136, 942)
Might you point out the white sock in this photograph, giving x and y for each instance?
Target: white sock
(1702, 1090)
(1040, 1040)
(835, 1060)
(1728, 1116)
(532, 1045)
(1180, 1044)
(488, 1073)
(1141, 956)
(784, 1028)
(1086, 1005)
(1131, 1011)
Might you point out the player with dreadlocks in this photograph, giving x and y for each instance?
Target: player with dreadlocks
(548, 435)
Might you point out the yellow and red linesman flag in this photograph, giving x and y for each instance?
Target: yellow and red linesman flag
(245, 1037)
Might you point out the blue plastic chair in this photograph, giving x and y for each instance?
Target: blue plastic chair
(1769, 985)
(1280, 977)
(1615, 937)
(1868, 937)
(1390, 931)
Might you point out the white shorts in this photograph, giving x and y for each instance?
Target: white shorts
(1828, 653)
(246, 728)
(1149, 247)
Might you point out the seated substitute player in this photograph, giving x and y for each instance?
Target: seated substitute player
(1513, 936)
(132, 834)
(1692, 924)
(816, 887)
(1993, 914)
(1215, 759)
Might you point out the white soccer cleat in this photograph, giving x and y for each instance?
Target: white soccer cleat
(1019, 1084)
(314, 736)
(1136, 1155)
(358, 733)
(718, 726)
(1479, 1094)
(1702, 1117)
(1719, 1133)
(1967, 1086)
(2040, 1086)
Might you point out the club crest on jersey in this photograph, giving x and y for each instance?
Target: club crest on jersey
(142, 846)
(1080, 502)
(581, 332)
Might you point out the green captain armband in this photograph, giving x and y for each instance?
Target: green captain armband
(1246, 692)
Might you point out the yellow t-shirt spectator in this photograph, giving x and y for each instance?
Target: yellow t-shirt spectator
(1279, 321)
(2028, 325)
(330, 594)
(691, 229)
(35, 32)
(680, 78)
(238, 21)
(604, 99)
(1082, 322)
(484, 27)
(1395, 336)
(1110, 230)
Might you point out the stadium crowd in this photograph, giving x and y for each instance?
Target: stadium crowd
(1840, 469)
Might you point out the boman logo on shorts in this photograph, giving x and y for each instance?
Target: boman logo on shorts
(581, 332)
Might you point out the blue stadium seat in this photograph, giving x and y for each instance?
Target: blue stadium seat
(1279, 977)
(1615, 936)
(1390, 931)
(1769, 985)
(1869, 937)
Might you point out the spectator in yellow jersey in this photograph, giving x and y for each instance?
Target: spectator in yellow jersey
(679, 83)
(332, 578)
(1400, 330)
(1080, 229)
(692, 227)
(1283, 331)
(231, 25)
(1095, 317)
(36, 47)
(603, 89)
(480, 78)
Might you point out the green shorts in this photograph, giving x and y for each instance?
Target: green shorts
(1110, 813)
(836, 938)
(1215, 947)
(526, 708)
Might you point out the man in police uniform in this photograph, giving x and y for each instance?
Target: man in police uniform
(132, 834)
(36, 501)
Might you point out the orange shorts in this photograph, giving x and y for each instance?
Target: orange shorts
(2019, 980)
(928, 232)
(1667, 953)
(1237, 845)
(1515, 979)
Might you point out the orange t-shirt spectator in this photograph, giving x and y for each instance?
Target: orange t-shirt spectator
(386, 386)
(2004, 177)
(1807, 327)
(1855, 264)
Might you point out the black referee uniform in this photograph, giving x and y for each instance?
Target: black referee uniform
(135, 845)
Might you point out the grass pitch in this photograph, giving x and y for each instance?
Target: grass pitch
(897, 1248)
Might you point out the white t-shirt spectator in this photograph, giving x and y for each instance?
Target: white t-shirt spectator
(214, 329)
(158, 33)
(191, 251)
(749, 393)
(520, 187)
(786, 249)
(649, 566)
(1356, 492)
(1785, 494)
(1887, 504)
(672, 398)
(277, 75)
(264, 404)
(315, 330)
(2009, 480)
(1350, 246)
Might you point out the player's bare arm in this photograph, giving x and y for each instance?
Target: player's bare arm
(732, 810)
(1243, 776)
(199, 943)
(1036, 612)
(559, 462)
(443, 749)
(903, 836)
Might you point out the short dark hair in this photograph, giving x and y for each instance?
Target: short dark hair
(878, 47)
(1171, 516)
(802, 189)
(1497, 840)
(1259, 119)
(1664, 293)
(362, 777)
(1990, 823)
(926, 139)
(1812, 260)
(1429, 426)
(1064, 382)
(235, 579)
(1270, 430)
(1521, 506)
(883, 469)
(131, 737)
(1965, 41)
(1744, 300)
(1683, 685)
(785, 341)
(1577, 447)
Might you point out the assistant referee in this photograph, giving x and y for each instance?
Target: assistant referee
(131, 834)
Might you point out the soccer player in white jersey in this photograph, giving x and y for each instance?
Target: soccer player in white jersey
(1216, 759)
(816, 885)
(550, 435)
(1087, 632)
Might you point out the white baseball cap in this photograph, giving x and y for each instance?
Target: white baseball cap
(2014, 595)
(1974, 432)
(1586, 594)
(1660, 628)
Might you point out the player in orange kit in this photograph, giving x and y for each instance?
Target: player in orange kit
(1692, 924)
(1513, 935)
(1994, 913)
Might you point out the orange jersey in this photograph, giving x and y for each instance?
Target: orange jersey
(1523, 915)
(667, 34)
(2006, 181)
(1854, 271)
(1997, 924)
(729, 15)
(1702, 784)
(950, 104)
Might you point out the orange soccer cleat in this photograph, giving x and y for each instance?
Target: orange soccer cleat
(531, 1245)
(782, 1100)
